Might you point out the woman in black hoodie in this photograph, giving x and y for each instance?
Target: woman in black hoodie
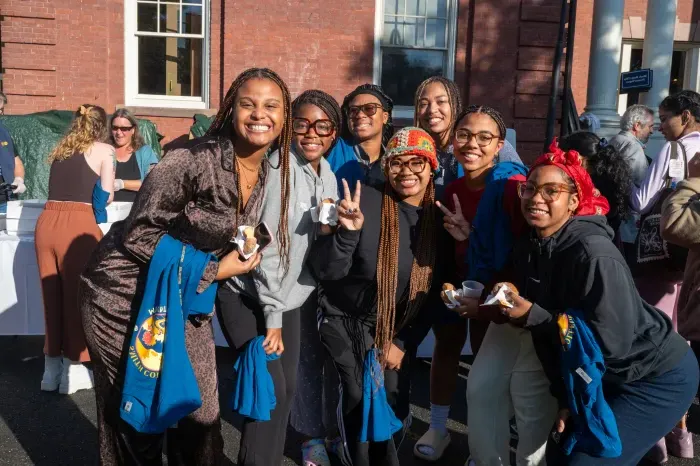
(570, 262)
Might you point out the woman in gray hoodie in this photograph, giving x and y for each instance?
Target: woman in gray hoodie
(279, 297)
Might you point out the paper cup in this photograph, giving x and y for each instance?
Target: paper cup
(472, 289)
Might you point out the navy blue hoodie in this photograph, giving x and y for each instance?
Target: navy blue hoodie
(579, 267)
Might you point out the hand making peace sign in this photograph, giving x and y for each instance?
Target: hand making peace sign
(349, 215)
(455, 223)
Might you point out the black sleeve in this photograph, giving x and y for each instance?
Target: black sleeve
(330, 257)
(610, 302)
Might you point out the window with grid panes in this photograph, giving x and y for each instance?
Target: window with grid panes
(417, 41)
(168, 43)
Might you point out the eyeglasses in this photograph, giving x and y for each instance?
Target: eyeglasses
(321, 127)
(483, 138)
(550, 191)
(367, 109)
(123, 129)
(416, 165)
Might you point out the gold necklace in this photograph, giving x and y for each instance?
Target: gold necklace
(248, 184)
(241, 165)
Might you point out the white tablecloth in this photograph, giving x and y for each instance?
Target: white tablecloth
(21, 306)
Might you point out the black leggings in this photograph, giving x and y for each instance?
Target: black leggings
(242, 319)
(347, 340)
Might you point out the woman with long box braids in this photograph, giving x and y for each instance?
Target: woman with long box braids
(197, 194)
(278, 298)
(386, 260)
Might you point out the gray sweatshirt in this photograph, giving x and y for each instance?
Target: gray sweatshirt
(276, 292)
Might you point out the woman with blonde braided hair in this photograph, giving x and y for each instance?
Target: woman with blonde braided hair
(387, 259)
(65, 236)
(198, 195)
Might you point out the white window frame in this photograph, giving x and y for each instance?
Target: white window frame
(131, 64)
(691, 73)
(406, 111)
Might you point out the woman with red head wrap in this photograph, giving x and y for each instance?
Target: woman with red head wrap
(569, 262)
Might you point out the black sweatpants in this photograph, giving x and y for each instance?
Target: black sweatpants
(241, 319)
(348, 340)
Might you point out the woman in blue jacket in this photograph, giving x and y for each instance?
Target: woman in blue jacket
(367, 127)
(135, 158)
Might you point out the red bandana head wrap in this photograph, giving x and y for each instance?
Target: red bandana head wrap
(591, 202)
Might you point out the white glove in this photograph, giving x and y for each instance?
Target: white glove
(118, 184)
(21, 187)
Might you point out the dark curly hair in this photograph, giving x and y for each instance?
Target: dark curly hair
(609, 170)
(681, 101)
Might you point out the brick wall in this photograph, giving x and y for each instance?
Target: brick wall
(62, 54)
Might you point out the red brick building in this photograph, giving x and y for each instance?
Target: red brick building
(170, 59)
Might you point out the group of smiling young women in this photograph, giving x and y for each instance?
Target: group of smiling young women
(406, 225)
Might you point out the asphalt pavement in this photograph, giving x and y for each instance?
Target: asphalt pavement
(48, 429)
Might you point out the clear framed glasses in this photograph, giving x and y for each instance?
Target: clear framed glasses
(321, 127)
(550, 192)
(483, 138)
(416, 165)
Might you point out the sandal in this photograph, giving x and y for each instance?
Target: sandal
(431, 440)
(313, 453)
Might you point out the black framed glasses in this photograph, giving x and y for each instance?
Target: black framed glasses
(550, 192)
(367, 109)
(483, 138)
(321, 127)
(416, 165)
(123, 129)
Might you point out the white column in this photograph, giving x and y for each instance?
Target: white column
(604, 70)
(658, 54)
(624, 67)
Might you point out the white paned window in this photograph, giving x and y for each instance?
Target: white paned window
(166, 53)
(414, 39)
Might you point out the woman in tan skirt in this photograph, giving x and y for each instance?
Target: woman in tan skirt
(66, 235)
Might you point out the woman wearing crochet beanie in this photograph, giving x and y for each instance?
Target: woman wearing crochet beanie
(378, 271)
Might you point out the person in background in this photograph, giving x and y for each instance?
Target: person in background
(637, 126)
(366, 130)
(679, 224)
(608, 168)
(680, 122)
(569, 263)
(275, 297)
(437, 105)
(387, 259)
(11, 166)
(198, 194)
(66, 235)
(135, 158)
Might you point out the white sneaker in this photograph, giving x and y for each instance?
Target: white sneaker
(53, 367)
(75, 377)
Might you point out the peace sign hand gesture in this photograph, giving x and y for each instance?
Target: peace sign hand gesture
(454, 222)
(349, 215)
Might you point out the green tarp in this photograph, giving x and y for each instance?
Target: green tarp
(201, 125)
(36, 134)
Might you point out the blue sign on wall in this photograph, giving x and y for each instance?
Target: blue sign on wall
(639, 80)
